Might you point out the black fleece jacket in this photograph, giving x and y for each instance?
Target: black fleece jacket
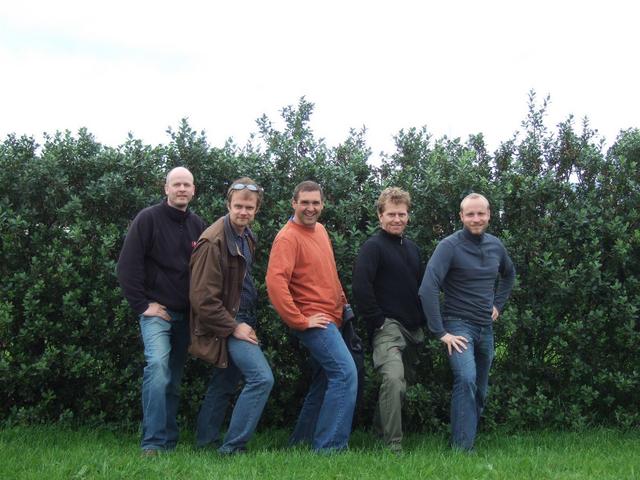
(386, 277)
(154, 260)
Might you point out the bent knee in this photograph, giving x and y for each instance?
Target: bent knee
(267, 380)
(263, 380)
(347, 375)
(158, 369)
(351, 379)
(350, 372)
(394, 383)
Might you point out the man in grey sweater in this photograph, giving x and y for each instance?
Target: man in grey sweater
(464, 266)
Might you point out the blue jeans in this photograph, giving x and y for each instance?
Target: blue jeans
(165, 352)
(470, 379)
(326, 416)
(247, 361)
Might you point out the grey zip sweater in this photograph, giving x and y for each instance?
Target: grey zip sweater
(465, 267)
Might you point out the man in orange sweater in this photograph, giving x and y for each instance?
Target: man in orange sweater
(304, 288)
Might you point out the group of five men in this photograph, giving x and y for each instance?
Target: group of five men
(189, 283)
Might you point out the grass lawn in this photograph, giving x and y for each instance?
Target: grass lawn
(51, 452)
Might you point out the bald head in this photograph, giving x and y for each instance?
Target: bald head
(179, 188)
(178, 171)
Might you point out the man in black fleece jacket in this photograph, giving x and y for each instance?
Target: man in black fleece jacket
(465, 266)
(153, 272)
(386, 276)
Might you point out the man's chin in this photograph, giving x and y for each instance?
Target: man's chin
(179, 204)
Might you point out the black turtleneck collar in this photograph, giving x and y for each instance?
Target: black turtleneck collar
(390, 236)
(175, 214)
(471, 237)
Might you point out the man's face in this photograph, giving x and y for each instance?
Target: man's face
(475, 215)
(242, 207)
(394, 218)
(179, 189)
(307, 208)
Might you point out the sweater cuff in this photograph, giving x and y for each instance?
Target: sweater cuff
(140, 308)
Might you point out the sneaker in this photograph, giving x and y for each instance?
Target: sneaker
(149, 453)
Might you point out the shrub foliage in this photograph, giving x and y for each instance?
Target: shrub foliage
(567, 351)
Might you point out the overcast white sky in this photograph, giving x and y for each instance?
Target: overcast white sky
(458, 67)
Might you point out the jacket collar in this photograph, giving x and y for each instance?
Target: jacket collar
(175, 214)
(393, 238)
(230, 236)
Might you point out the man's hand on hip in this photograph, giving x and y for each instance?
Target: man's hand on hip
(454, 341)
(157, 310)
(246, 333)
(318, 320)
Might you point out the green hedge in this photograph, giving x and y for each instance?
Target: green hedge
(569, 213)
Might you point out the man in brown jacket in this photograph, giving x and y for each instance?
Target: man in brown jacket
(223, 320)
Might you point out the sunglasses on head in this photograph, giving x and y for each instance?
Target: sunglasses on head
(242, 186)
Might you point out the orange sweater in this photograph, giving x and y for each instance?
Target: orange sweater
(302, 279)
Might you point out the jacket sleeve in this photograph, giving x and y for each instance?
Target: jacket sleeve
(130, 269)
(364, 274)
(205, 294)
(434, 276)
(281, 264)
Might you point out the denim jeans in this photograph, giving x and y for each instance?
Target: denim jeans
(470, 379)
(165, 352)
(247, 361)
(327, 413)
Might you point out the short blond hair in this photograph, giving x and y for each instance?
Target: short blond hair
(394, 195)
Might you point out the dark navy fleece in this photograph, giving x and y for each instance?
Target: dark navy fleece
(154, 261)
(385, 283)
(465, 267)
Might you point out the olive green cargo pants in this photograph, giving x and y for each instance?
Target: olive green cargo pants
(395, 355)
